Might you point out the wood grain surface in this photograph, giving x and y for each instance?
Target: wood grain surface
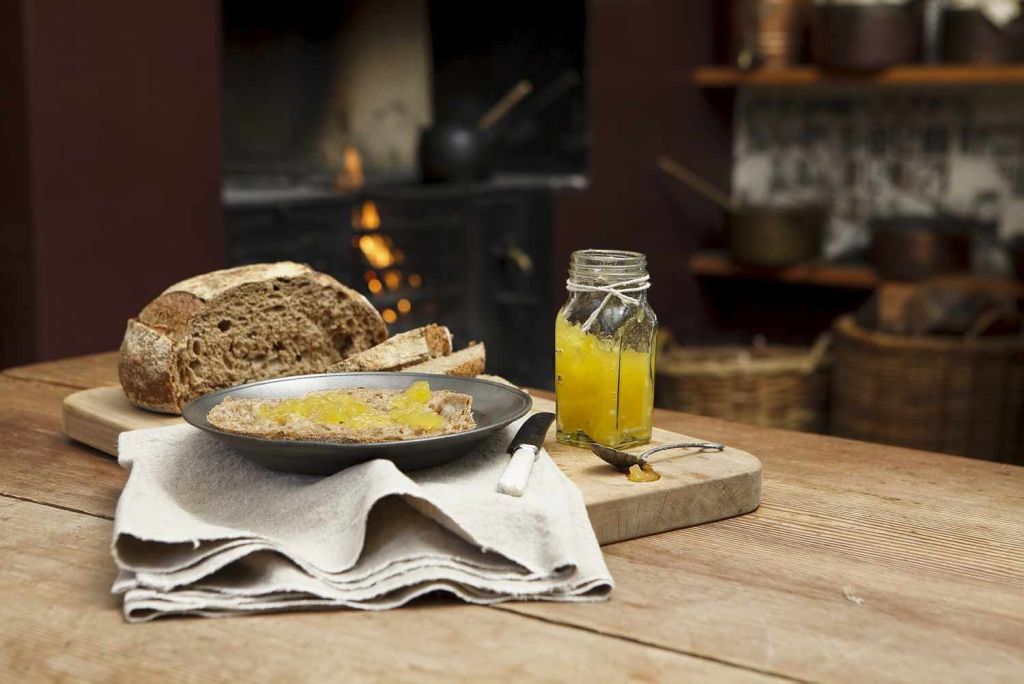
(694, 488)
(94, 370)
(62, 623)
(863, 563)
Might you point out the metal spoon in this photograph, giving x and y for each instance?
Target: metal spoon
(622, 460)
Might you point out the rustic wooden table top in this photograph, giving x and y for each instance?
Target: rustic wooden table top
(864, 563)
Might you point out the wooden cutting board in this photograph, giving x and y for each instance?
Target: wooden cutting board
(694, 487)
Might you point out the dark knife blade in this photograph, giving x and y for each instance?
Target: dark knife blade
(532, 432)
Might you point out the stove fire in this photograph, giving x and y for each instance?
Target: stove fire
(350, 175)
(365, 216)
(379, 252)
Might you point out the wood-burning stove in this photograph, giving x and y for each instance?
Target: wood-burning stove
(322, 110)
(476, 258)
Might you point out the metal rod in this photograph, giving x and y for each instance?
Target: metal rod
(698, 184)
(510, 100)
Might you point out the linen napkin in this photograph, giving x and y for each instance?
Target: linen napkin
(200, 530)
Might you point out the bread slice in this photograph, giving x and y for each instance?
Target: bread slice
(465, 363)
(241, 324)
(241, 416)
(404, 349)
(498, 379)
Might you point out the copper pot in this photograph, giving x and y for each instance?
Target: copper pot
(968, 36)
(853, 37)
(773, 237)
(918, 247)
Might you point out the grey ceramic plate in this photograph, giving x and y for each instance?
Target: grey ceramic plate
(494, 406)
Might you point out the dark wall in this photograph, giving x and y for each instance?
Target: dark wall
(642, 103)
(118, 185)
(472, 70)
(17, 334)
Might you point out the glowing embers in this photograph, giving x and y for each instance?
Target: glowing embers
(365, 216)
(350, 169)
(393, 279)
(379, 252)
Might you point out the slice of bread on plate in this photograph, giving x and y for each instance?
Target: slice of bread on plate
(238, 325)
(500, 380)
(465, 363)
(249, 417)
(398, 352)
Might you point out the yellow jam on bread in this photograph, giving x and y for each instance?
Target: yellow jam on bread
(408, 409)
(604, 390)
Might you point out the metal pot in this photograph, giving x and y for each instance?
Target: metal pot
(1016, 250)
(773, 237)
(858, 37)
(453, 152)
(918, 247)
(767, 237)
(968, 36)
(459, 152)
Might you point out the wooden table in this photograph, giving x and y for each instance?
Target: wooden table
(864, 563)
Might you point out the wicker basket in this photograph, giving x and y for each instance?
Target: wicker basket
(954, 395)
(783, 387)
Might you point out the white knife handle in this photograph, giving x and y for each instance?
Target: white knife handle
(517, 472)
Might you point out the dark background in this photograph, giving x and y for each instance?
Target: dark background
(112, 176)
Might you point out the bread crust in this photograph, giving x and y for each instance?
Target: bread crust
(151, 367)
(145, 367)
(206, 286)
(171, 311)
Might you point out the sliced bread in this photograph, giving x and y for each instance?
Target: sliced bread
(498, 379)
(241, 324)
(404, 349)
(243, 416)
(466, 363)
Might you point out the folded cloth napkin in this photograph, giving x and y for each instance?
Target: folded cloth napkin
(200, 530)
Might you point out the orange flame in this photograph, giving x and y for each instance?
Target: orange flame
(365, 216)
(393, 279)
(350, 176)
(377, 250)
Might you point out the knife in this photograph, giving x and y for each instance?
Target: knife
(524, 449)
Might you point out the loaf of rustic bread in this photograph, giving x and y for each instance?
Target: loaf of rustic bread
(243, 416)
(241, 324)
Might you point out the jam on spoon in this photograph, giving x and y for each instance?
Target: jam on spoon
(636, 467)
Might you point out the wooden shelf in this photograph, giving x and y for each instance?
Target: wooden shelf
(849, 276)
(908, 75)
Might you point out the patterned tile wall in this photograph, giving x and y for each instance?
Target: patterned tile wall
(881, 153)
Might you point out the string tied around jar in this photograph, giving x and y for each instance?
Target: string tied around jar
(619, 289)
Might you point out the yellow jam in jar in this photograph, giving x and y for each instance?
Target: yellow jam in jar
(604, 389)
(408, 409)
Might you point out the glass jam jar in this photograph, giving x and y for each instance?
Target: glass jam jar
(605, 351)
